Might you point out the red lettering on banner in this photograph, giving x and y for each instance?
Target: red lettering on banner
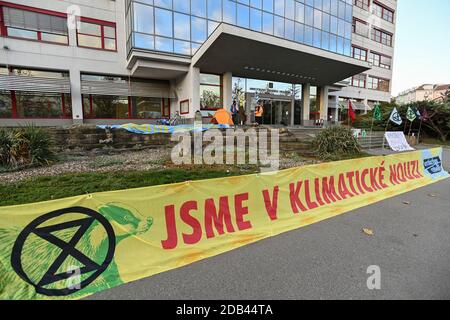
(393, 177)
(294, 195)
(172, 239)
(241, 211)
(401, 173)
(328, 190)
(342, 187)
(407, 168)
(185, 214)
(373, 178)
(271, 206)
(350, 175)
(317, 190)
(381, 177)
(419, 174)
(223, 216)
(363, 180)
(414, 169)
(303, 196)
(311, 204)
(358, 183)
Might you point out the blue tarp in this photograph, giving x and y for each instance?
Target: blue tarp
(154, 129)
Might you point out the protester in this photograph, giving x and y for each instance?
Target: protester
(259, 112)
(242, 115)
(234, 112)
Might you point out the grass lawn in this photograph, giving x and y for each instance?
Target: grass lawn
(67, 185)
(43, 188)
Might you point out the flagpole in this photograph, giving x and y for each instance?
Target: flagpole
(371, 131)
(385, 129)
(350, 110)
(420, 128)
(406, 122)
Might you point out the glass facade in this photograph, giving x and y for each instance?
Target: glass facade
(181, 26)
(276, 99)
(43, 105)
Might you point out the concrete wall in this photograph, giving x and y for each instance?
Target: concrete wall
(33, 54)
(76, 60)
(187, 88)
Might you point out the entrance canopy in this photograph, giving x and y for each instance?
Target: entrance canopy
(251, 54)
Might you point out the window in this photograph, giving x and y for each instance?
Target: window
(123, 107)
(5, 104)
(29, 104)
(97, 35)
(107, 107)
(42, 105)
(378, 84)
(380, 60)
(383, 12)
(359, 81)
(382, 37)
(363, 4)
(210, 91)
(359, 53)
(148, 108)
(32, 24)
(360, 27)
(39, 73)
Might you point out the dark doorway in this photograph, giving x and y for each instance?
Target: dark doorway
(276, 112)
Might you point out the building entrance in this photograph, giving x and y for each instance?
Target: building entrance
(279, 100)
(277, 112)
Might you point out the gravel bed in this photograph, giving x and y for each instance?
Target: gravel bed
(148, 159)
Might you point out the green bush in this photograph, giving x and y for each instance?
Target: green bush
(336, 143)
(26, 146)
(6, 143)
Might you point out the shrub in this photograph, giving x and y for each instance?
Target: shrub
(6, 143)
(335, 143)
(26, 146)
(39, 145)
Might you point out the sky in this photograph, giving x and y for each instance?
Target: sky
(422, 48)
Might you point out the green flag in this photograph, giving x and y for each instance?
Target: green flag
(377, 113)
(411, 115)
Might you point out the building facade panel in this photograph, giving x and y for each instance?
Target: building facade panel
(135, 60)
(181, 26)
(374, 26)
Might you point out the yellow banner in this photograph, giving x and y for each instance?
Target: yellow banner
(71, 248)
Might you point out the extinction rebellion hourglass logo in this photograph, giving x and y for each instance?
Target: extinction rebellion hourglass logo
(50, 279)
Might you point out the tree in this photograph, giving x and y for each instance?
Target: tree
(437, 125)
(239, 93)
(438, 121)
(210, 99)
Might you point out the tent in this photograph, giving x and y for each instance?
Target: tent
(221, 116)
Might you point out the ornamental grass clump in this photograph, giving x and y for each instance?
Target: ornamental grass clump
(336, 143)
(25, 146)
